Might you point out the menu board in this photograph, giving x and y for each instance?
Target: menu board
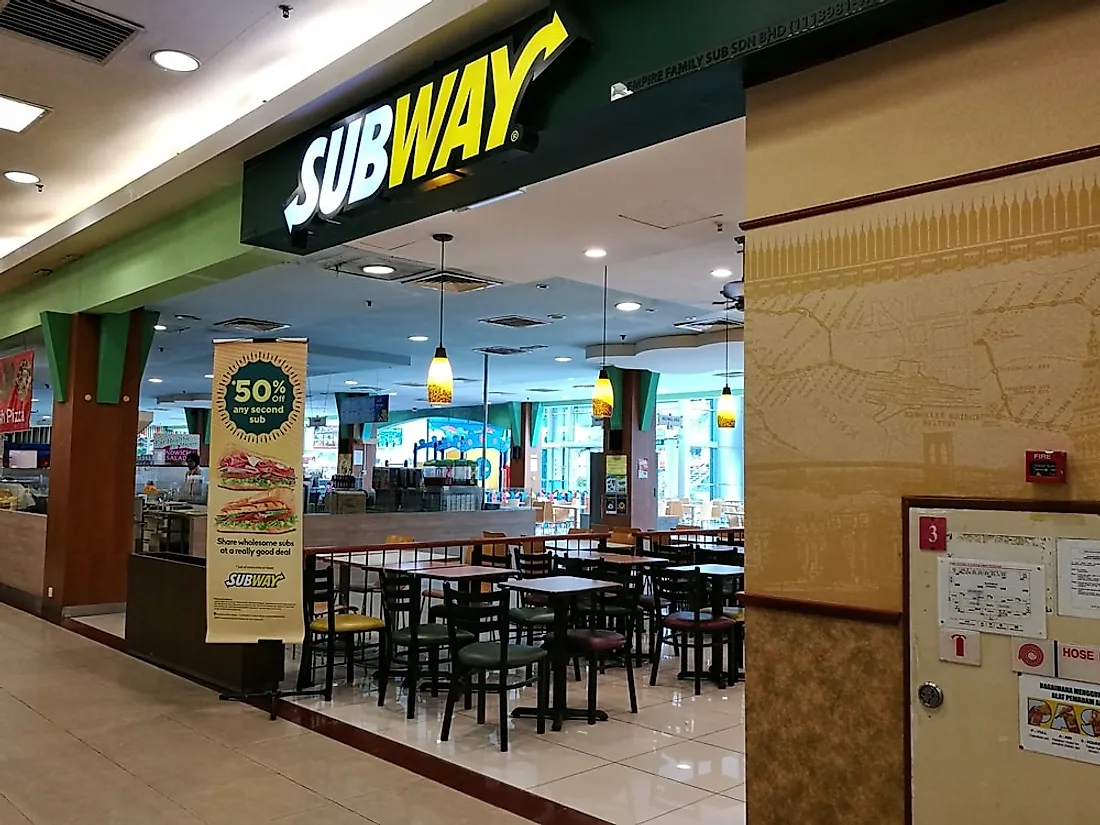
(254, 525)
(616, 485)
(16, 385)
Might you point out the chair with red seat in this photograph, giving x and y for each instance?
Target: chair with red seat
(690, 599)
(611, 618)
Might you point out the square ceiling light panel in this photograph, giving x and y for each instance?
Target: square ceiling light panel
(15, 115)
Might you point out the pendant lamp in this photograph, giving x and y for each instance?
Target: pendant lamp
(441, 381)
(727, 408)
(603, 396)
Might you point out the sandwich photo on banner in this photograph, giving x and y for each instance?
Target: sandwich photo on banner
(254, 535)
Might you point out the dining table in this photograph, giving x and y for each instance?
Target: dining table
(719, 574)
(560, 591)
(567, 545)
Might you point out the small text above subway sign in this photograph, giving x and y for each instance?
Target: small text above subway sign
(756, 41)
(466, 113)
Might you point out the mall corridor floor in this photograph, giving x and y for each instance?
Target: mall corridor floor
(89, 736)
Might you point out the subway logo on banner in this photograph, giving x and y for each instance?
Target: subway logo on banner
(262, 581)
(467, 113)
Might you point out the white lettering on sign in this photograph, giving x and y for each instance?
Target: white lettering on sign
(1080, 662)
(435, 128)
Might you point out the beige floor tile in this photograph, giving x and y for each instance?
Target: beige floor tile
(732, 739)
(693, 763)
(426, 803)
(611, 740)
(685, 722)
(621, 795)
(466, 735)
(715, 810)
(331, 814)
(233, 724)
(329, 768)
(530, 761)
(739, 793)
(255, 802)
(10, 815)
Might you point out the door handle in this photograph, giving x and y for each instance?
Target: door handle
(930, 695)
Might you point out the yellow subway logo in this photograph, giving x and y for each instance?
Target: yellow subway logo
(467, 113)
(255, 581)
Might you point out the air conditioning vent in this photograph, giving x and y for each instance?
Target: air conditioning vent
(251, 325)
(508, 350)
(514, 321)
(411, 384)
(541, 389)
(63, 24)
(452, 281)
(710, 325)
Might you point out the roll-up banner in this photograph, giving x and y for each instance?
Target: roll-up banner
(254, 521)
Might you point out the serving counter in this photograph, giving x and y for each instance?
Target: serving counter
(22, 556)
(324, 530)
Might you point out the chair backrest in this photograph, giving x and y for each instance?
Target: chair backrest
(479, 613)
(319, 591)
(601, 529)
(674, 508)
(577, 531)
(682, 590)
(532, 565)
(620, 537)
(675, 555)
(400, 600)
(628, 595)
(573, 566)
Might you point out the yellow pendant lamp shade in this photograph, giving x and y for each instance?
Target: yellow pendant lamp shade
(441, 380)
(727, 410)
(603, 397)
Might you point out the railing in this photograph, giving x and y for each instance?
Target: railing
(358, 567)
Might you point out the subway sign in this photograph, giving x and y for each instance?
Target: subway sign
(446, 122)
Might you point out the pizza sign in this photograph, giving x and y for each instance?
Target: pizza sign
(16, 385)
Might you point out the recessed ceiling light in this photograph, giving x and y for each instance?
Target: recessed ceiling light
(16, 176)
(15, 115)
(209, 376)
(352, 383)
(419, 339)
(721, 272)
(595, 252)
(563, 359)
(628, 306)
(378, 269)
(34, 400)
(159, 327)
(156, 380)
(174, 61)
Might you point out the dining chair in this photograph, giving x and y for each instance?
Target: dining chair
(324, 622)
(486, 614)
(401, 610)
(690, 604)
(611, 619)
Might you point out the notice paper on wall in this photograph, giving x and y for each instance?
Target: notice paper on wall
(1060, 718)
(1079, 578)
(993, 597)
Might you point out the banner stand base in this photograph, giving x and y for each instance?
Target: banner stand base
(276, 693)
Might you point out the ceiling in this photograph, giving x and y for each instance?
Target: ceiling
(667, 216)
(126, 131)
(532, 245)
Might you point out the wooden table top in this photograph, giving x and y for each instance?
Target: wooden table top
(414, 566)
(468, 571)
(559, 585)
(710, 569)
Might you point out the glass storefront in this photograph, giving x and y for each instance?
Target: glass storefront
(568, 438)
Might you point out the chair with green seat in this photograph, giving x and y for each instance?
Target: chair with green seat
(486, 615)
(401, 609)
(535, 611)
(319, 584)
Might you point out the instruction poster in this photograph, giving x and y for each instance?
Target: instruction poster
(1079, 578)
(616, 485)
(993, 597)
(1060, 718)
(254, 521)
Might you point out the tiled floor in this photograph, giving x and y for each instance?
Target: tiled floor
(89, 736)
(679, 761)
